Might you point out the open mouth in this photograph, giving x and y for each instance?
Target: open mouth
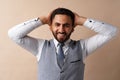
(62, 34)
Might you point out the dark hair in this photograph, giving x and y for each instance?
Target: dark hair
(63, 11)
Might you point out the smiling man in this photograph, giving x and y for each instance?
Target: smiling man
(62, 58)
(61, 27)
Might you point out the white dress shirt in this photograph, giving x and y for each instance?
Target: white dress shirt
(104, 33)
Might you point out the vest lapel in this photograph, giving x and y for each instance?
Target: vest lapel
(72, 57)
(54, 50)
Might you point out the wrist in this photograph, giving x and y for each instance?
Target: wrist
(81, 20)
(43, 19)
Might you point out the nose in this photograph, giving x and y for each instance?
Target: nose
(61, 28)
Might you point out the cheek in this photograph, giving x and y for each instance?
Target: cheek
(54, 30)
(70, 30)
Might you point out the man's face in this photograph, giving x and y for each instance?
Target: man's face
(61, 27)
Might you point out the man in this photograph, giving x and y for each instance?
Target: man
(61, 58)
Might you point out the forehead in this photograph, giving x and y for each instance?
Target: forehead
(61, 18)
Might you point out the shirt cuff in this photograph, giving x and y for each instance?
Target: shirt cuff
(89, 23)
(33, 22)
(38, 22)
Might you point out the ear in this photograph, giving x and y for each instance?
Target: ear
(50, 27)
(73, 29)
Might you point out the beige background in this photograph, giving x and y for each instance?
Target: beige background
(18, 64)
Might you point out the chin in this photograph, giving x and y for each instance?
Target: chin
(61, 40)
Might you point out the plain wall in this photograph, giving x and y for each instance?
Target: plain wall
(18, 64)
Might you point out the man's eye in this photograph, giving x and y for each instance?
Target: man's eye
(57, 24)
(67, 25)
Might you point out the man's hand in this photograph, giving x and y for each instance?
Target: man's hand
(45, 19)
(79, 20)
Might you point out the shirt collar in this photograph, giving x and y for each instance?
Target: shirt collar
(56, 42)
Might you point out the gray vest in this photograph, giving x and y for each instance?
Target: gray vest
(73, 68)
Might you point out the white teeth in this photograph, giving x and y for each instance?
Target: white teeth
(61, 35)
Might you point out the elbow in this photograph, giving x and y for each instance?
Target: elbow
(13, 36)
(10, 33)
(115, 31)
(112, 33)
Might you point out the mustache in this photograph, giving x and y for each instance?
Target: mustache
(62, 33)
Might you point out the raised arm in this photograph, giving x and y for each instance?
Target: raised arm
(19, 34)
(104, 32)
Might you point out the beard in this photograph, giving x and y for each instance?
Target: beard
(61, 40)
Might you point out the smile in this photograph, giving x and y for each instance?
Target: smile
(61, 34)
